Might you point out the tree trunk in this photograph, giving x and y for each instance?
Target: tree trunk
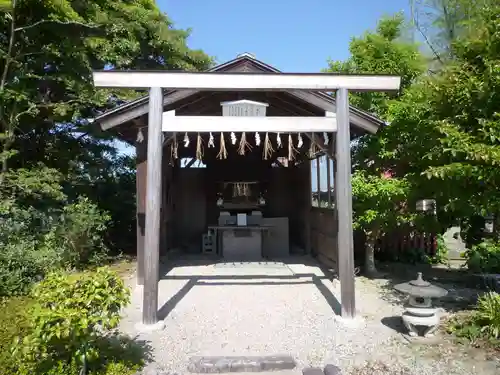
(370, 268)
(3, 82)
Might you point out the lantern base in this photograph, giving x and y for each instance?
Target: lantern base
(412, 322)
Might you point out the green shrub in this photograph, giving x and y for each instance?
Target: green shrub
(113, 368)
(24, 258)
(413, 255)
(35, 242)
(441, 256)
(13, 325)
(122, 356)
(71, 321)
(484, 257)
(488, 314)
(18, 268)
(79, 234)
(482, 324)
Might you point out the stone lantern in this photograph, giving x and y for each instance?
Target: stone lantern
(419, 311)
(489, 224)
(426, 205)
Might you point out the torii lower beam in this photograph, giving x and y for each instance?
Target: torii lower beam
(281, 124)
(248, 82)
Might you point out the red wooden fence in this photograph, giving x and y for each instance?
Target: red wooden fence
(402, 241)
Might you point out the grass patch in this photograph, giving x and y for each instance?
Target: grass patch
(481, 327)
(462, 325)
(124, 266)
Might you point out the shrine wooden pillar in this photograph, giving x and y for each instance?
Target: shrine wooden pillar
(140, 181)
(343, 199)
(307, 207)
(153, 207)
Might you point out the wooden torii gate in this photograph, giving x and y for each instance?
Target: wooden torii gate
(159, 122)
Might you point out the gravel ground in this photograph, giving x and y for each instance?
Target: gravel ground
(275, 308)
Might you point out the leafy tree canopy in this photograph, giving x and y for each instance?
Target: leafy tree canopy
(444, 132)
(48, 50)
(383, 51)
(447, 128)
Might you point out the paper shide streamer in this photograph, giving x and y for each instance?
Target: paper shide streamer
(292, 151)
(140, 136)
(233, 138)
(300, 142)
(244, 144)
(174, 147)
(326, 138)
(314, 149)
(222, 149)
(211, 141)
(257, 139)
(199, 147)
(268, 148)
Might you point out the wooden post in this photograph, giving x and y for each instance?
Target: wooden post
(328, 187)
(335, 212)
(318, 181)
(140, 178)
(343, 193)
(153, 203)
(307, 208)
(165, 198)
(329, 155)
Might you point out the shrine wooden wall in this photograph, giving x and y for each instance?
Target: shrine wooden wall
(324, 235)
(189, 196)
(194, 200)
(189, 206)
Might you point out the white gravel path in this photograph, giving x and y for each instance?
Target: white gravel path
(261, 309)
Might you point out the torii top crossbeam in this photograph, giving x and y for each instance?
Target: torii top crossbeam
(217, 81)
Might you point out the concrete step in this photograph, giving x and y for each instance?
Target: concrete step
(277, 372)
(241, 364)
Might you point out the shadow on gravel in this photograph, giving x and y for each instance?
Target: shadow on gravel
(263, 279)
(462, 292)
(130, 351)
(395, 323)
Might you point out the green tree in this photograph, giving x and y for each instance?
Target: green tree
(457, 112)
(444, 134)
(48, 50)
(379, 206)
(441, 22)
(378, 202)
(384, 51)
(466, 109)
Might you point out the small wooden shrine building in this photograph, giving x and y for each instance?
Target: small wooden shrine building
(223, 162)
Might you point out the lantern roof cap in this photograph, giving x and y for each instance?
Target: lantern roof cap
(421, 288)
